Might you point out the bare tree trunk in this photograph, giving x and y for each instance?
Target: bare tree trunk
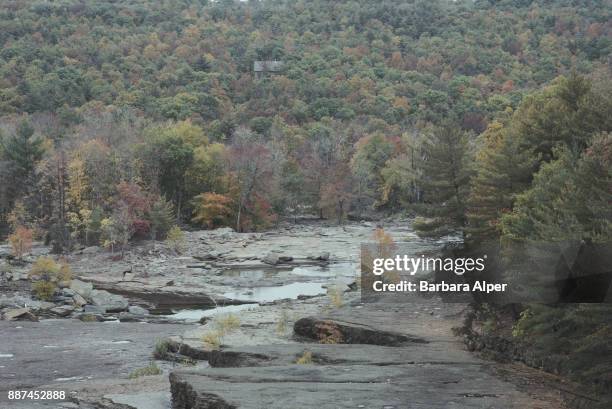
(238, 216)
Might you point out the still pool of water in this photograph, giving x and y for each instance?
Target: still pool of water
(268, 294)
(340, 272)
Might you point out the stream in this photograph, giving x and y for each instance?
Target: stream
(314, 281)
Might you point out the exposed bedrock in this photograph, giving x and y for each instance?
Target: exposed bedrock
(338, 332)
(162, 297)
(339, 386)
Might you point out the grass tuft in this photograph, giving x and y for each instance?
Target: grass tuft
(149, 370)
(305, 359)
(226, 323)
(212, 339)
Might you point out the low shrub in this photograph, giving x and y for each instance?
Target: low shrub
(162, 349)
(44, 290)
(21, 241)
(176, 239)
(149, 370)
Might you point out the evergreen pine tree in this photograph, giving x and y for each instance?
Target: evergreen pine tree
(445, 184)
(503, 169)
(161, 217)
(22, 149)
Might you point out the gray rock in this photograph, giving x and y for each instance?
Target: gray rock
(19, 276)
(341, 386)
(82, 288)
(285, 259)
(62, 311)
(16, 301)
(68, 292)
(323, 256)
(129, 277)
(136, 310)
(271, 258)
(223, 231)
(78, 300)
(19, 314)
(127, 317)
(43, 305)
(90, 250)
(94, 309)
(324, 330)
(207, 256)
(108, 318)
(110, 302)
(149, 400)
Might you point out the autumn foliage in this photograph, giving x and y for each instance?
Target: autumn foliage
(21, 241)
(213, 210)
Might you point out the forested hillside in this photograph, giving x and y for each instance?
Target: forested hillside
(117, 114)
(121, 119)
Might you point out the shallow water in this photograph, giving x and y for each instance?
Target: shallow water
(330, 271)
(256, 274)
(333, 270)
(196, 314)
(323, 276)
(273, 293)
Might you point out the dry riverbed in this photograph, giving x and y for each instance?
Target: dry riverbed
(106, 324)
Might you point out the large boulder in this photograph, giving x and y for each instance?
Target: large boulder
(338, 332)
(128, 317)
(109, 302)
(62, 311)
(82, 288)
(20, 314)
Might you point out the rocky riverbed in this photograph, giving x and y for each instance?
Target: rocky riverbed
(300, 336)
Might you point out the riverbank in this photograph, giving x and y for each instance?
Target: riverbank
(294, 294)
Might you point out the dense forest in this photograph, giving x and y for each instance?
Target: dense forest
(116, 114)
(490, 119)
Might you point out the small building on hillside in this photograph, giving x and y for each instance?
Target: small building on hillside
(265, 67)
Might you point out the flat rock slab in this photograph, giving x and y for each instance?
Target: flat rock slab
(344, 354)
(423, 386)
(19, 314)
(67, 352)
(147, 400)
(160, 296)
